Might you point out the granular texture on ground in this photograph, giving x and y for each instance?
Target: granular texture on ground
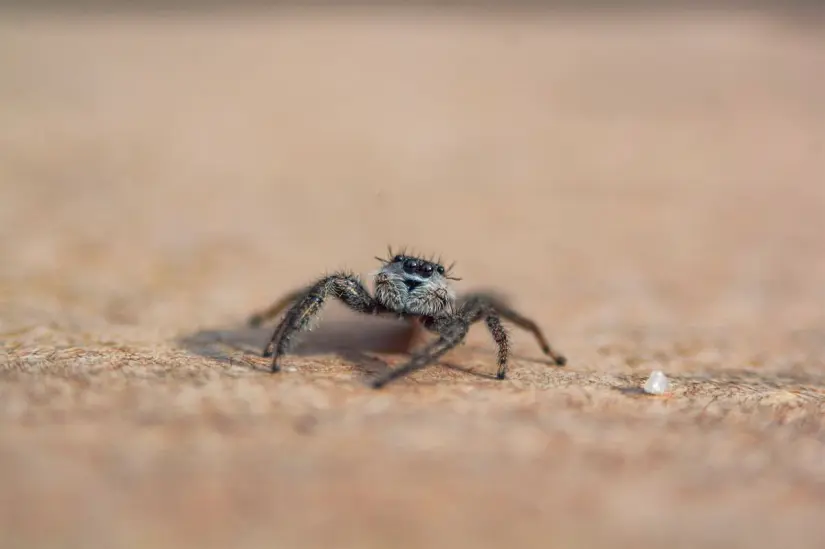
(648, 189)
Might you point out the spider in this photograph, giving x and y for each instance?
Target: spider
(411, 288)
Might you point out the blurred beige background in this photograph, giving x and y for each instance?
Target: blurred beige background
(648, 187)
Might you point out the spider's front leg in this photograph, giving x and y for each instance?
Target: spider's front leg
(481, 304)
(452, 330)
(344, 286)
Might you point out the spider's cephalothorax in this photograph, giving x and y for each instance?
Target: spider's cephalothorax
(413, 286)
(409, 287)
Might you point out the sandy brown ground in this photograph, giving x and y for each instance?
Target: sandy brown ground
(651, 190)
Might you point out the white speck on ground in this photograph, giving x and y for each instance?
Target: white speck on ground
(657, 383)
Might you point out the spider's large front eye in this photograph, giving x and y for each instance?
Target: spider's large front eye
(410, 266)
(426, 270)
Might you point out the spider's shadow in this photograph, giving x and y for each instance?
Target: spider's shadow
(351, 337)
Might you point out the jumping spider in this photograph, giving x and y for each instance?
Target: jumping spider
(410, 288)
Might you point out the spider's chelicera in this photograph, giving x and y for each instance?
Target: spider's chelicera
(411, 288)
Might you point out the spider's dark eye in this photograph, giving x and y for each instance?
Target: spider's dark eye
(410, 266)
(398, 259)
(426, 270)
(440, 270)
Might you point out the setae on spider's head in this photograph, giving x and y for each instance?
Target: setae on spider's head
(411, 285)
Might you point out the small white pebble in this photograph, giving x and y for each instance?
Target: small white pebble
(657, 383)
(291, 369)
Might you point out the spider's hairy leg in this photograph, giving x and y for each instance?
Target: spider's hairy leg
(490, 301)
(275, 309)
(343, 286)
(473, 310)
(503, 342)
(453, 330)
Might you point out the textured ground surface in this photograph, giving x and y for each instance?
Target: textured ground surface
(651, 191)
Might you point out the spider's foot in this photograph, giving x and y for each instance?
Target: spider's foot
(560, 360)
(377, 383)
(501, 375)
(275, 368)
